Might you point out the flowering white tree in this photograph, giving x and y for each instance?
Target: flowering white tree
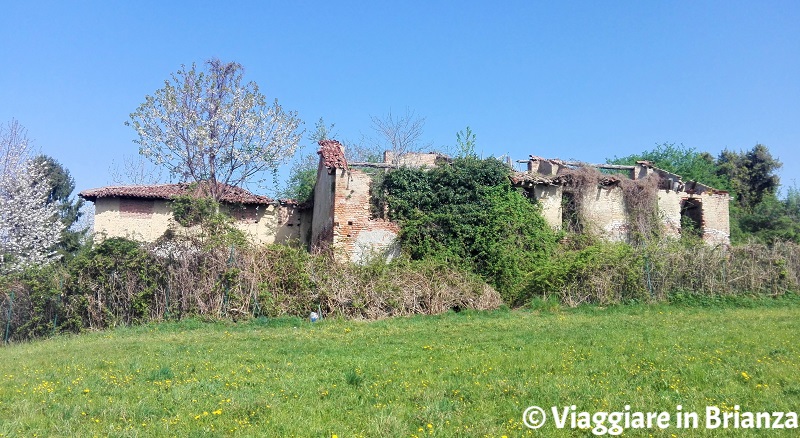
(29, 225)
(208, 126)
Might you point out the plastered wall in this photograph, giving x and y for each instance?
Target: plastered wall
(322, 220)
(143, 220)
(265, 224)
(550, 199)
(146, 220)
(604, 211)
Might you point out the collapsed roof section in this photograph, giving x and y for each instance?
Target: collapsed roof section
(554, 172)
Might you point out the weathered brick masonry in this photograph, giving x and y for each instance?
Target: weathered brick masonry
(342, 217)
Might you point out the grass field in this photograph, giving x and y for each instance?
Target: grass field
(459, 374)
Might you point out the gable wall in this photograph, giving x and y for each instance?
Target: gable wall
(322, 216)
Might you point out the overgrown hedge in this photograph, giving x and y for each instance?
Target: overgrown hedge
(121, 282)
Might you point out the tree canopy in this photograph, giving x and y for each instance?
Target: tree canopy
(210, 126)
(29, 224)
(691, 164)
(62, 184)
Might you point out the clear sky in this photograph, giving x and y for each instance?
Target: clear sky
(574, 80)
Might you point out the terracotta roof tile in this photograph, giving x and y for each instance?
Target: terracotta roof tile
(332, 154)
(234, 195)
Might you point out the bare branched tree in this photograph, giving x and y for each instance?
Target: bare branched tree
(207, 126)
(398, 134)
(135, 170)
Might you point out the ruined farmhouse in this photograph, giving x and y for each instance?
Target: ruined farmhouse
(607, 208)
(142, 213)
(340, 217)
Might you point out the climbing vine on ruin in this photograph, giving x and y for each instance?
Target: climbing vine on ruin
(640, 197)
(214, 223)
(468, 214)
(641, 204)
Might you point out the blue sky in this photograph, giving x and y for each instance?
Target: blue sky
(573, 80)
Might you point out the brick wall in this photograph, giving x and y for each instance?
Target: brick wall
(357, 237)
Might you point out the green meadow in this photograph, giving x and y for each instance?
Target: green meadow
(459, 374)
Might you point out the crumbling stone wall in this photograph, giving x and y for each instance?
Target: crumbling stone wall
(414, 159)
(550, 199)
(604, 213)
(603, 209)
(669, 209)
(716, 223)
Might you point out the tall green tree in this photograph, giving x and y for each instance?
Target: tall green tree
(752, 174)
(691, 164)
(61, 185)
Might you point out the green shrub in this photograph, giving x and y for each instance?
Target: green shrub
(190, 211)
(467, 214)
(601, 273)
(215, 224)
(116, 281)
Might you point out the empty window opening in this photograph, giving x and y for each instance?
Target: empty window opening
(692, 217)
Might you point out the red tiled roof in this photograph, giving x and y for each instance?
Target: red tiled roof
(233, 195)
(332, 154)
